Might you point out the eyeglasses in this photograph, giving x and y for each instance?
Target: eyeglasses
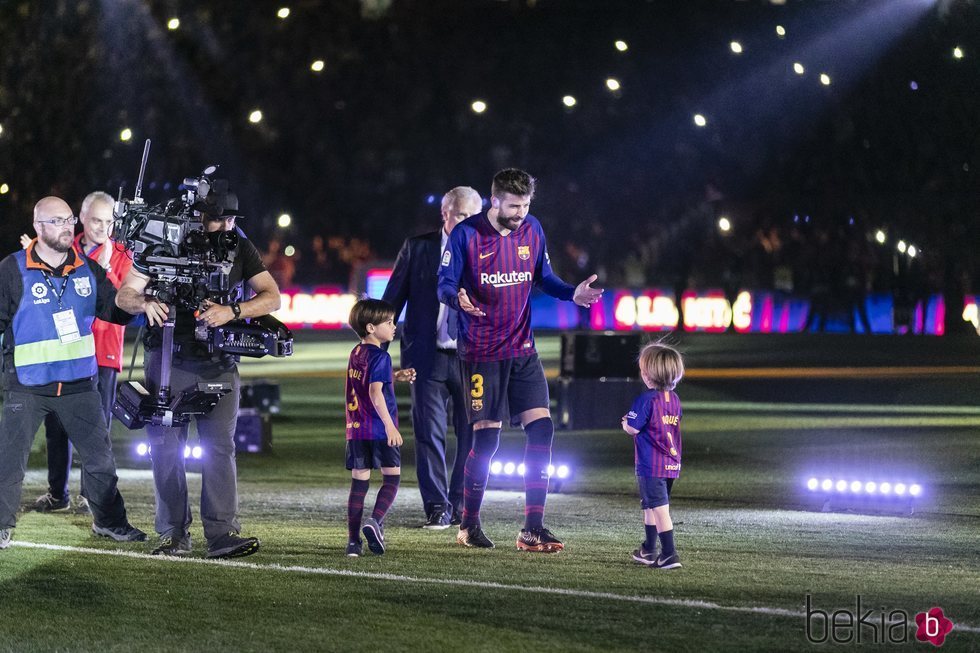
(59, 222)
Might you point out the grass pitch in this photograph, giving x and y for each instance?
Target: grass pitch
(752, 551)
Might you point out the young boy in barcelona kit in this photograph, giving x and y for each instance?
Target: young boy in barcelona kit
(373, 439)
(654, 421)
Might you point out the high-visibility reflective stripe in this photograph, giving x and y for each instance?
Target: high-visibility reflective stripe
(53, 351)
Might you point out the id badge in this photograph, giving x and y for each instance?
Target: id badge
(67, 327)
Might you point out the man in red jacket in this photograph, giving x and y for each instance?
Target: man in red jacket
(95, 243)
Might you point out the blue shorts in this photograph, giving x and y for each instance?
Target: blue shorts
(372, 454)
(495, 389)
(654, 492)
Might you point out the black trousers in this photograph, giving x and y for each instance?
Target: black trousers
(81, 415)
(59, 446)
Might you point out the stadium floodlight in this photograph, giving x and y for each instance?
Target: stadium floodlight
(915, 489)
(880, 237)
(825, 79)
(142, 449)
(255, 117)
(856, 487)
(886, 488)
(780, 31)
(900, 489)
(870, 487)
(496, 467)
(509, 468)
(957, 52)
(478, 106)
(569, 101)
(4, 189)
(613, 84)
(317, 66)
(841, 486)
(812, 484)
(798, 68)
(621, 46)
(283, 13)
(700, 120)
(196, 452)
(736, 47)
(521, 469)
(563, 471)
(902, 246)
(826, 485)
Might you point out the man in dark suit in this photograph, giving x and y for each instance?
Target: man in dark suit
(429, 346)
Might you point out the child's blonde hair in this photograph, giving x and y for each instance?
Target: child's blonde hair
(663, 365)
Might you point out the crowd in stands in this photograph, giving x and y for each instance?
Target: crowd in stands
(360, 153)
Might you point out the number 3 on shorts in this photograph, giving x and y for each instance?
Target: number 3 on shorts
(476, 386)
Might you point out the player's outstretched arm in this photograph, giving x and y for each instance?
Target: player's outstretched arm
(585, 295)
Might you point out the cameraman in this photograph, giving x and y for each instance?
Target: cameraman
(191, 364)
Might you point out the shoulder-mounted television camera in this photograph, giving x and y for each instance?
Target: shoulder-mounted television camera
(187, 265)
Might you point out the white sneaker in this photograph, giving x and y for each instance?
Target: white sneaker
(81, 506)
(5, 535)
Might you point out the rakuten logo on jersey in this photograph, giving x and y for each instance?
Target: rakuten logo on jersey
(502, 279)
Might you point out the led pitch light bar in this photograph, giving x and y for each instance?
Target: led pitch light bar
(195, 452)
(507, 472)
(863, 496)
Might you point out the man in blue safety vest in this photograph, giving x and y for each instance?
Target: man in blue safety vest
(49, 296)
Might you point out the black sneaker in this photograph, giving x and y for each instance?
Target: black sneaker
(354, 549)
(127, 533)
(672, 561)
(48, 503)
(538, 540)
(645, 557)
(437, 520)
(233, 545)
(374, 533)
(474, 537)
(173, 546)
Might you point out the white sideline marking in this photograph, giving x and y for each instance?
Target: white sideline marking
(326, 571)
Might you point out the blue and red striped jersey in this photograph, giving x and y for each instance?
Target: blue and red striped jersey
(368, 364)
(497, 273)
(656, 414)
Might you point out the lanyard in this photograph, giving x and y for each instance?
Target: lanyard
(59, 295)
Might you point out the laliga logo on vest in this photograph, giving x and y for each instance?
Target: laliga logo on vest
(39, 290)
(503, 279)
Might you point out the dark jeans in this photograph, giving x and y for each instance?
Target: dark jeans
(59, 446)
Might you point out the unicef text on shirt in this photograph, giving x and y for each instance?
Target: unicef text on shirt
(499, 279)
